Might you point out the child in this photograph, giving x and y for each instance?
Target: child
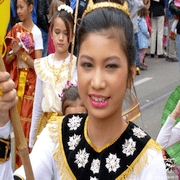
(143, 35)
(54, 71)
(53, 7)
(100, 144)
(71, 102)
(24, 44)
(176, 19)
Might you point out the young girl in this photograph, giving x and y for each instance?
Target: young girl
(100, 145)
(54, 71)
(24, 44)
(143, 35)
(71, 101)
(53, 8)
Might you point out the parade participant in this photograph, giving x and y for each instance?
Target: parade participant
(169, 134)
(71, 101)
(100, 145)
(53, 8)
(53, 71)
(24, 44)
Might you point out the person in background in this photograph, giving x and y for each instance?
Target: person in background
(157, 23)
(43, 22)
(53, 71)
(24, 44)
(100, 144)
(143, 36)
(174, 24)
(176, 11)
(53, 8)
(134, 7)
(71, 101)
(171, 48)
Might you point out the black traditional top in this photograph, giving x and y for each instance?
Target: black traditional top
(77, 158)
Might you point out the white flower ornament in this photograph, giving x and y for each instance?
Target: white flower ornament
(65, 8)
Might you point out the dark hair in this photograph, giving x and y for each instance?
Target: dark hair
(29, 2)
(113, 22)
(67, 18)
(70, 94)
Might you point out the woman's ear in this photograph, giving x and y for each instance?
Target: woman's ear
(31, 7)
(133, 74)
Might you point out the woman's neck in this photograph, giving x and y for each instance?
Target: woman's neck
(104, 131)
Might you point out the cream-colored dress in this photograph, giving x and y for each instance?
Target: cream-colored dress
(52, 77)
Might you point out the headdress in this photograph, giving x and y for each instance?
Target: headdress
(65, 8)
(92, 6)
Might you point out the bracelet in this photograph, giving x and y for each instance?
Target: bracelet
(24, 57)
(5, 149)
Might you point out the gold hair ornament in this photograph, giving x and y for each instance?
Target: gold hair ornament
(92, 6)
(65, 8)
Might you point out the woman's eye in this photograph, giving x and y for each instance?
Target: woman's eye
(87, 65)
(57, 32)
(112, 66)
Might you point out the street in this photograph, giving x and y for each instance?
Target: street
(153, 87)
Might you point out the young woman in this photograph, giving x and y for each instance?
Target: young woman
(100, 145)
(54, 71)
(24, 44)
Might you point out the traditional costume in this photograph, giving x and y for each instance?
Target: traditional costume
(52, 77)
(64, 151)
(23, 76)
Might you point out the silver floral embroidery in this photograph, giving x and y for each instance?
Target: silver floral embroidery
(112, 163)
(138, 132)
(81, 158)
(93, 178)
(129, 147)
(74, 141)
(74, 122)
(95, 166)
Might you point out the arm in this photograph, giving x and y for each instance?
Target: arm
(41, 158)
(37, 111)
(7, 100)
(170, 134)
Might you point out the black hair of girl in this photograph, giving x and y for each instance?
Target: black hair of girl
(67, 19)
(114, 23)
(29, 2)
(71, 94)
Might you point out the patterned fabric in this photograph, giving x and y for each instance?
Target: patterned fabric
(77, 157)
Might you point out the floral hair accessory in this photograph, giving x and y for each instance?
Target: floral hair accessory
(67, 86)
(65, 8)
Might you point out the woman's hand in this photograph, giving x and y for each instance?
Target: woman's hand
(8, 98)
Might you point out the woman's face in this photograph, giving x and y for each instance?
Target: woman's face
(102, 75)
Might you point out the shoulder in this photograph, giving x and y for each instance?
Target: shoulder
(36, 30)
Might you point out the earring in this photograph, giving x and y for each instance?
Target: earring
(131, 107)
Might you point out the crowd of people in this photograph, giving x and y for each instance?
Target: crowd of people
(71, 104)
